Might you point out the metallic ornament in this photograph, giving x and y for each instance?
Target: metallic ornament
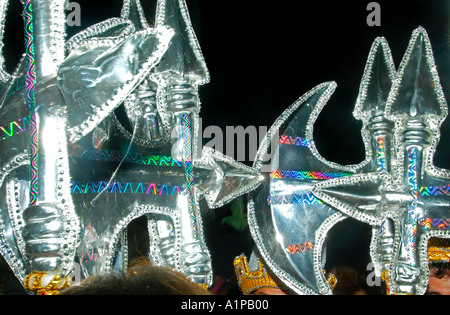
(94, 171)
(396, 188)
(287, 222)
(401, 195)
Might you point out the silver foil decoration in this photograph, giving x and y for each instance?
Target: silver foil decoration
(50, 225)
(14, 161)
(100, 170)
(396, 188)
(287, 222)
(411, 195)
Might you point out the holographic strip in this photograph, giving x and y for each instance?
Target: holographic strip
(79, 187)
(294, 199)
(440, 224)
(153, 123)
(299, 248)
(435, 191)
(187, 151)
(412, 173)
(380, 155)
(411, 225)
(30, 83)
(306, 175)
(15, 128)
(90, 153)
(411, 217)
(295, 141)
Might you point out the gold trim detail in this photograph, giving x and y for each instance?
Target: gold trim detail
(52, 288)
(249, 280)
(385, 278)
(332, 281)
(438, 250)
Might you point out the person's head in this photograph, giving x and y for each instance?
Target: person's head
(140, 280)
(439, 281)
(439, 265)
(349, 281)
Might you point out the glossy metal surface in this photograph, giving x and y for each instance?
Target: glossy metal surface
(99, 170)
(410, 195)
(396, 188)
(289, 223)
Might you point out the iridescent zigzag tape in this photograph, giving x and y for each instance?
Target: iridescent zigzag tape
(300, 198)
(430, 223)
(381, 155)
(412, 173)
(106, 155)
(435, 190)
(299, 248)
(77, 151)
(79, 187)
(30, 83)
(295, 141)
(302, 142)
(294, 199)
(14, 128)
(189, 171)
(306, 175)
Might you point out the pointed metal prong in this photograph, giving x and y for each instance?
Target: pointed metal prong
(132, 11)
(376, 83)
(418, 91)
(223, 179)
(184, 57)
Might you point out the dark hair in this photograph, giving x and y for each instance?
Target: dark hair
(349, 281)
(140, 280)
(439, 269)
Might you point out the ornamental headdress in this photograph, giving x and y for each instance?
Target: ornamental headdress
(92, 170)
(252, 275)
(438, 250)
(396, 189)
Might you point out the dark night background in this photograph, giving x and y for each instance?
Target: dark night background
(263, 55)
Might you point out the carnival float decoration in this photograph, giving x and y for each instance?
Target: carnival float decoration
(75, 173)
(396, 189)
(101, 129)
